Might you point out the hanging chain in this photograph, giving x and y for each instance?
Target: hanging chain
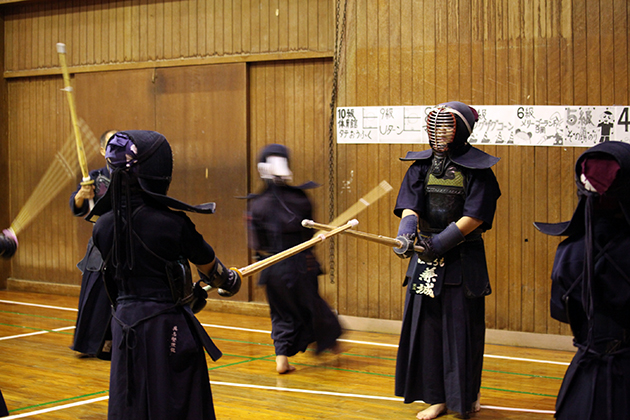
(340, 29)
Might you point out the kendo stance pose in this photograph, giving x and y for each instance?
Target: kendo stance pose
(94, 306)
(158, 365)
(8, 246)
(450, 194)
(590, 287)
(299, 315)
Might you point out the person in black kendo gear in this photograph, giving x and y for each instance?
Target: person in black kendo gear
(590, 287)
(447, 199)
(8, 246)
(158, 365)
(94, 307)
(299, 315)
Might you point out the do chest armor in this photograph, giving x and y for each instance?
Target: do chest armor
(445, 194)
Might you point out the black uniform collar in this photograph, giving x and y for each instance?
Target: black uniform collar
(471, 157)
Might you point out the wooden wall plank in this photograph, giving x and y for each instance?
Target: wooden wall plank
(621, 13)
(606, 52)
(427, 25)
(396, 52)
(593, 52)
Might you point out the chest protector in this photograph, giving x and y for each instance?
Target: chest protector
(445, 194)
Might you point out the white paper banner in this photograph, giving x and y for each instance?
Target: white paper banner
(580, 126)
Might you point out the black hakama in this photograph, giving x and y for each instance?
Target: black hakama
(94, 308)
(3, 407)
(597, 382)
(299, 315)
(440, 355)
(158, 366)
(94, 305)
(159, 369)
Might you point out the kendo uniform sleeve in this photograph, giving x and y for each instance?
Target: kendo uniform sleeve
(197, 250)
(481, 197)
(411, 193)
(95, 175)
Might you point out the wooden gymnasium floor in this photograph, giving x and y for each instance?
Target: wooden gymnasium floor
(42, 378)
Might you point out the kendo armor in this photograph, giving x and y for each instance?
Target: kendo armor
(142, 161)
(445, 194)
(101, 184)
(448, 126)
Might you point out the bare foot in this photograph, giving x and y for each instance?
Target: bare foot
(282, 365)
(432, 412)
(476, 406)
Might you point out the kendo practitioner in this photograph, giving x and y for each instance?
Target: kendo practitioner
(158, 365)
(94, 306)
(446, 201)
(8, 246)
(299, 315)
(590, 287)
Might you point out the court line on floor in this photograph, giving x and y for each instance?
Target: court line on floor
(56, 408)
(38, 305)
(64, 406)
(369, 397)
(370, 343)
(275, 389)
(492, 356)
(37, 333)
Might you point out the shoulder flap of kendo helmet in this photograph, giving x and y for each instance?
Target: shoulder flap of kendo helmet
(147, 143)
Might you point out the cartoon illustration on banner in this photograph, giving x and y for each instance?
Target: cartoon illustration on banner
(574, 126)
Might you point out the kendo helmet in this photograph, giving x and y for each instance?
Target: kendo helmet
(449, 125)
(141, 161)
(603, 172)
(602, 176)
(145, 154)
(273, 163)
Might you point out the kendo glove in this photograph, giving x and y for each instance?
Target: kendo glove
(8, 243)
(407, 232)
(437, 245)
(232, 285)
(199, 296)
(227, 281)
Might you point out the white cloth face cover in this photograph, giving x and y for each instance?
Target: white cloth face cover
(275, 167)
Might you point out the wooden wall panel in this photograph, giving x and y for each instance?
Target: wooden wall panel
(288, 105)
(5, 266)
(135, 31)
(484, 52)
(39, 125)
(202, 112)
(105, 102)
(395, 52)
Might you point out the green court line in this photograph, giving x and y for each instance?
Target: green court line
(267, 358)
(519, 392)
(523, 374)
(249, 359)
(302, 364)
(37, 316)
(384, 358)
(241, 341)
(37, 329)
(65, 400)
(370, 357)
